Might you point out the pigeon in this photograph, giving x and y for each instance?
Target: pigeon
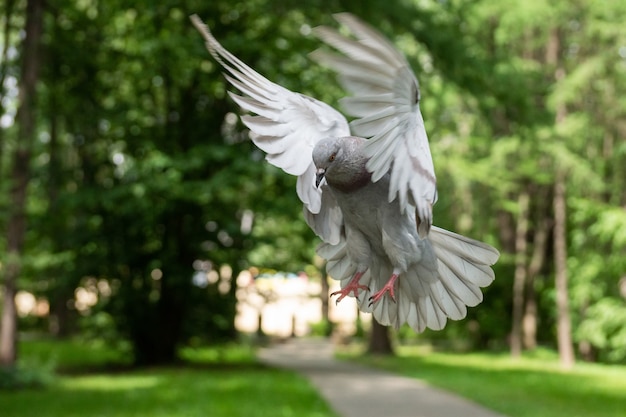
(368, 186)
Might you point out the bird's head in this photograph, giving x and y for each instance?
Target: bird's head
(327, 153)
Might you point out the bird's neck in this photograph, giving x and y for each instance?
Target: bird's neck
(351, 179)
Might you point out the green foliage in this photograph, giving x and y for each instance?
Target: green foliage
(99, 326)
(29, 373)
(603, 326)
(528, 120)
(324, 328)
(24, 377)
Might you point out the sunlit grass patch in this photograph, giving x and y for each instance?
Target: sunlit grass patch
(221, 355)
(530, 386)
(111, 382)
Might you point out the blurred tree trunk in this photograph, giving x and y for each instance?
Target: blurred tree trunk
(325, 298)
(537, 260)
(60, 316)
(519, 278)
(61, 319)
(379, 342)
(564, 326)
(20, 175)
(530, 319)
(524, 317)
(506, 231)
(4, 66)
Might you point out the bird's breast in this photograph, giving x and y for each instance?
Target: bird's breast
(348, 184)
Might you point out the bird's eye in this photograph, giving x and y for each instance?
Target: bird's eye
(332, 158)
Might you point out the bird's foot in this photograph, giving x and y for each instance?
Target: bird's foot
(352, 287)
(388, 287)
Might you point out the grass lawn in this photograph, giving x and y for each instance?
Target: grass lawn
(216, 382)
(528, 387)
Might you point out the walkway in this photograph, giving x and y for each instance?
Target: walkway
(357, 391)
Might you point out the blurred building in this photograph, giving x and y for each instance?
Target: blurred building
(288, 305)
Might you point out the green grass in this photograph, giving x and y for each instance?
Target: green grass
(72, 355)
(528, 387)
(248, 391)
(215, 382)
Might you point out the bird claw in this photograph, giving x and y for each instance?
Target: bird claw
(387, 288)
(350, 288)
(376, 297)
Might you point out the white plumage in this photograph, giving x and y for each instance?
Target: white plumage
(370, 201)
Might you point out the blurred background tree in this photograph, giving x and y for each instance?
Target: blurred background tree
(142, 178)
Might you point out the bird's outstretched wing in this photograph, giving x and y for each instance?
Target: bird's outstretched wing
(286, 126)
(385, 99)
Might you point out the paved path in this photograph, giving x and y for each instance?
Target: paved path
(357, 391)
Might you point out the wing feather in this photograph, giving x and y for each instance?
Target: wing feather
(286, 126)
(385, 100)
(252, 105)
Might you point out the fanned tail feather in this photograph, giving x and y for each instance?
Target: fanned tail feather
(463, 267)
(424, 297)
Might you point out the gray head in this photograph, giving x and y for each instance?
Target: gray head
(340, 161)
(326, 153)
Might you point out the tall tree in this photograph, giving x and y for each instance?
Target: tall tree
(4, 67)
(520, 277)
(536, 264)
(20, 177)
(379, 340)
(564, 326)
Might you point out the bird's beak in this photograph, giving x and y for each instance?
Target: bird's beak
(319, 176)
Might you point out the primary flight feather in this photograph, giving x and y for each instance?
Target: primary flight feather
(367, 187)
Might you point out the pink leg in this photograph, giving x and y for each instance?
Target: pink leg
(388, 287)
(353, 286)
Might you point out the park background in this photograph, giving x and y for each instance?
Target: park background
(132, 199)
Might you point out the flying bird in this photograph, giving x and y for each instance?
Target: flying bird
(367, 187)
